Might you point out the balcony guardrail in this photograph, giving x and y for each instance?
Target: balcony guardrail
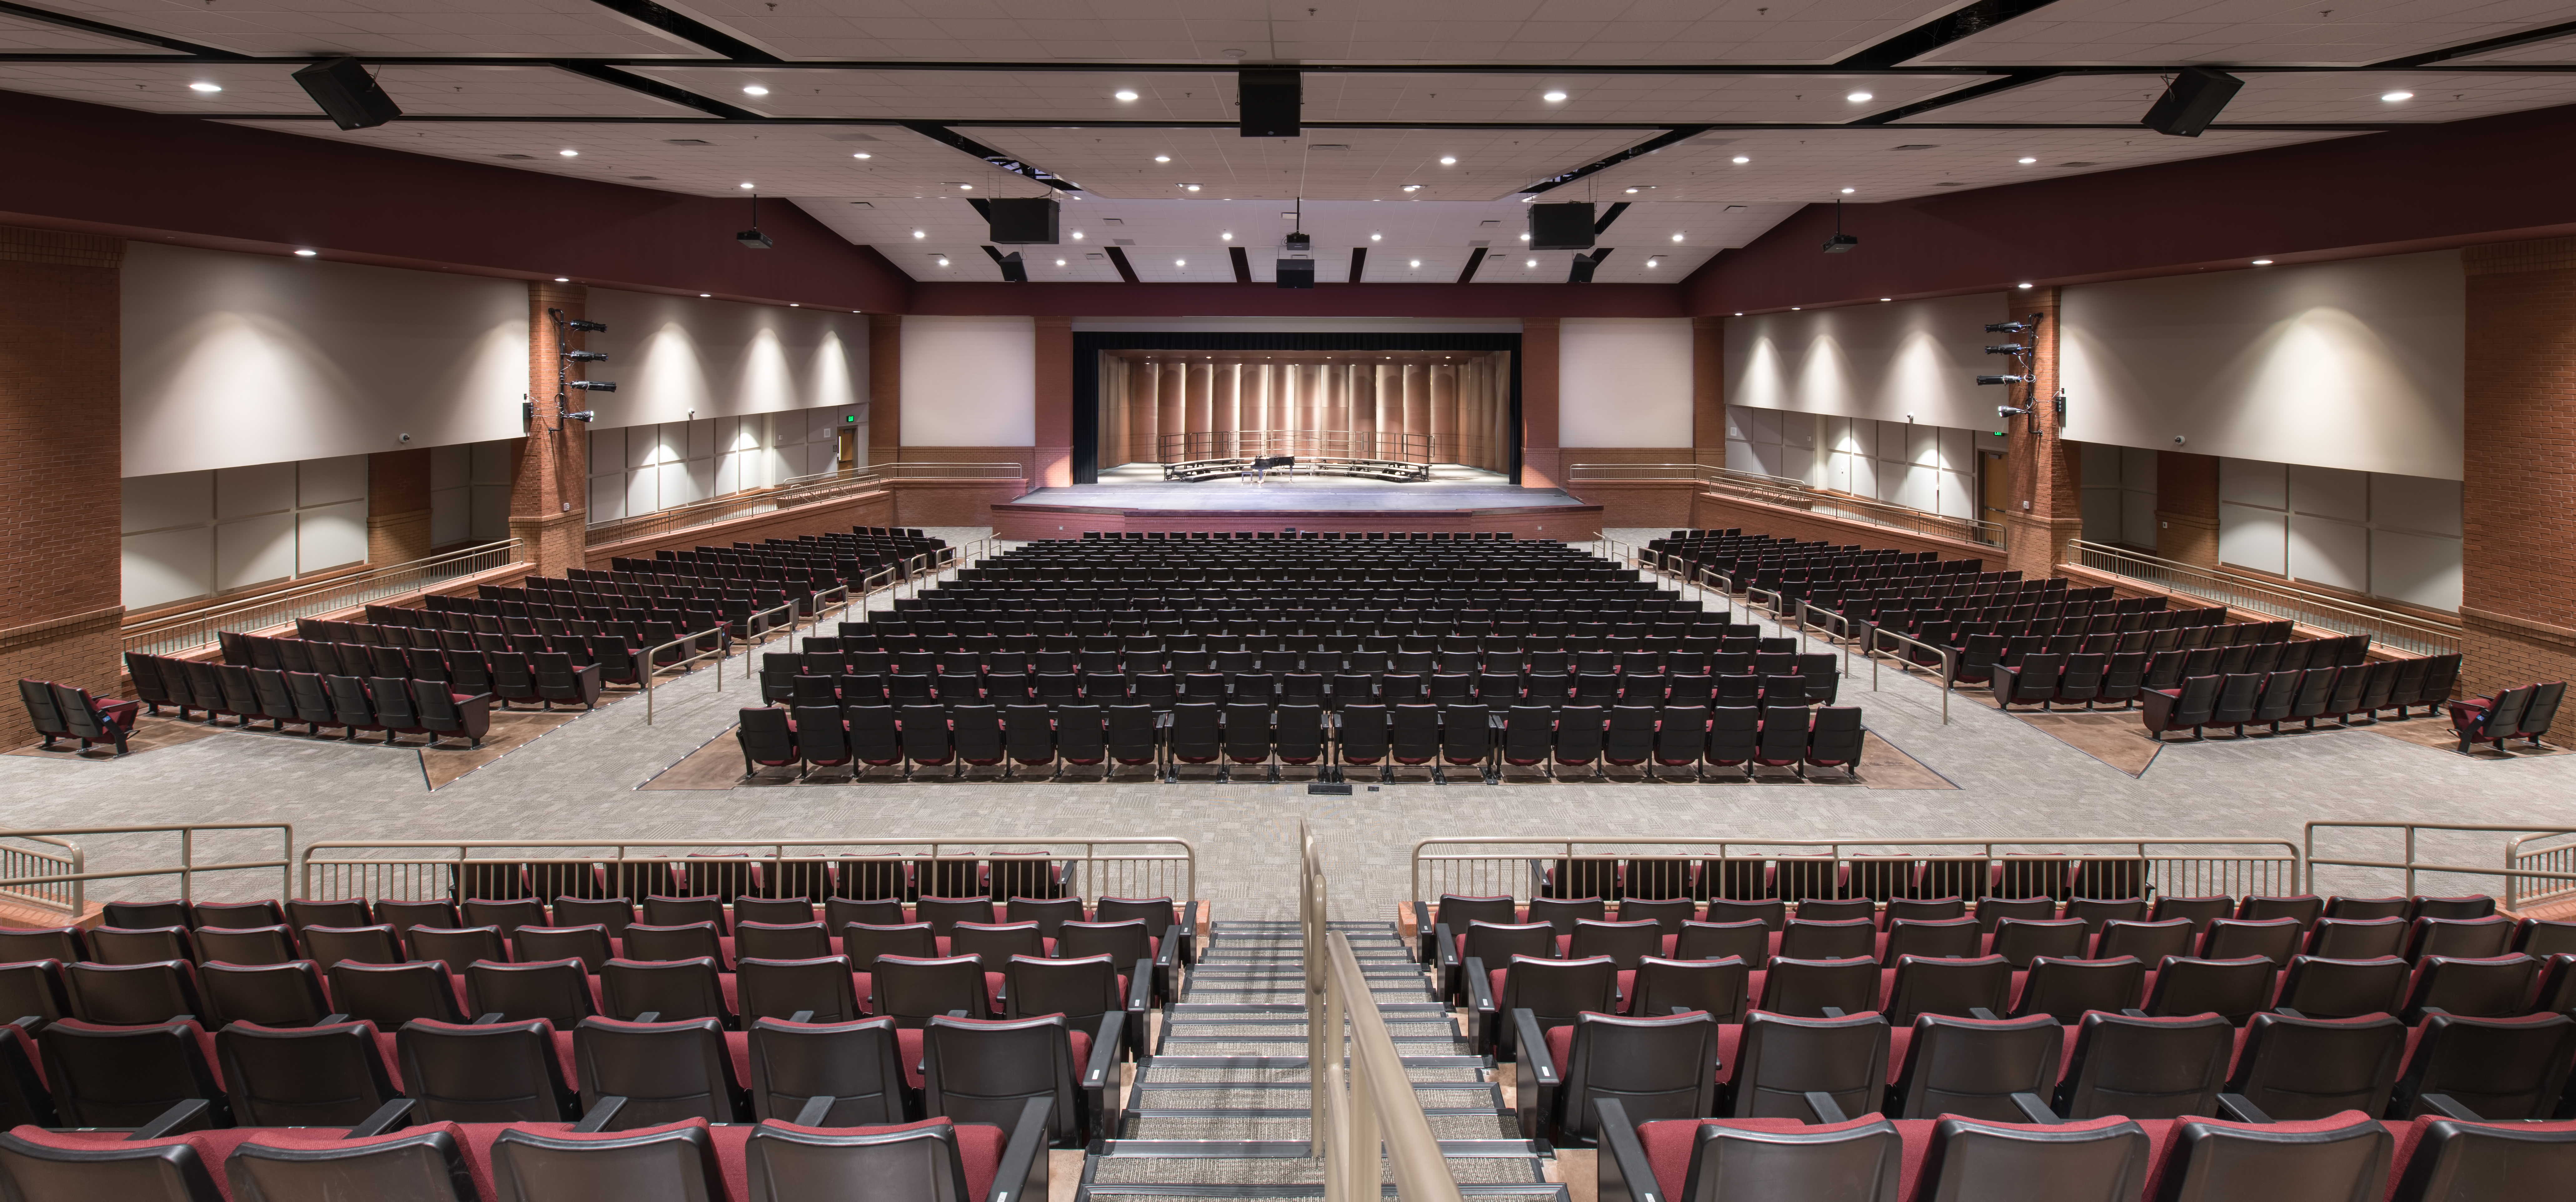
(2222, 587)
(1795, 494)
(800, 490)
(172, 634)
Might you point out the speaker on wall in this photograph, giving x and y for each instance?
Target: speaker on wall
(1269, 102)
(1296, 273)
(1560, 227)
(1022, 221)
(347, 94)
(2192, 101)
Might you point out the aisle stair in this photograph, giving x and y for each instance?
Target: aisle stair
(1220, 1109)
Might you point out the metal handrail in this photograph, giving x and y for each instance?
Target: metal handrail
(797, 490)
(1869, 651)
(1797, 494)
(2280, 601)
(2514, 855)
(2411, 865)
(1564, 847)
(174, 633)
(721, 652)
(186, 869)
(1358, 1096)
(71, 860)
(1091, 855)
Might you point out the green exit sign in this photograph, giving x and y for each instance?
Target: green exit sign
(850, 418)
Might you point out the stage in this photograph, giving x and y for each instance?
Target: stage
(1456, 499)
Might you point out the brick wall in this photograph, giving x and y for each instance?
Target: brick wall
(549, 487)
(2518, 601)
(60, 429)
(2046, 495)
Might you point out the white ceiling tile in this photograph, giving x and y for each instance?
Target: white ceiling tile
(2275, 97)
(20, 35)
(517, 29)
(2286, 32)
(2555, 50)
(269, 89)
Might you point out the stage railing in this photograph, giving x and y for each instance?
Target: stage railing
(1208, 445)
(1793, 494)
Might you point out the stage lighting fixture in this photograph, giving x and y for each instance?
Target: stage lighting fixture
(2001, 379)
(586, 356)
(594, 385)
(1841, 241)
(347, 94)
(2192, 101)
(2007, 327)
(579, 326)
(2009, 412)
(582, 415)
(2008, 348)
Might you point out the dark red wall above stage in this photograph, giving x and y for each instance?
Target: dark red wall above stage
(203, 183)
(2489, 180)
(1323, 300)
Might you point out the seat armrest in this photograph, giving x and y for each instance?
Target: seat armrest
(1981, 1014)
(816, 1111)
(1625, 1173)
(1535, 1064)
(1479, 990)
(2240, 1108)
(2443, 1105)
(29, 1023)
(191, 1115)
(1100, 1077)
(2036, 1110)
(2132, 1012)
(2286, 1012)
(600, 1116)
(1023, 1167)
(393, 1114)
(1140, 989)
(1826, 1108)
(1422, 932)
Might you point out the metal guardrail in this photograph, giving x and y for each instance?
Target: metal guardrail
(1869, 651)
(2177, 872)
(798, 490)
(1795, 494)
(74, 900)
(1358, 1096)
(2280, 601)
(2513, 871)
(175, 633)
(721, 652)
(393, 869)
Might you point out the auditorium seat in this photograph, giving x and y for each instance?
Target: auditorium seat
(2293, 1069)
(2146, 1068)
(2494, 1068)
(486, 1073)
(1784, 1063)
(128, 1074)
(1973, 1067)
(318, 1076)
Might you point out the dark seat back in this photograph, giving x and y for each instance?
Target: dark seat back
(1956, 1064)
(666, 1071)
(1784, 1058)
(1659, 1067)
(2146, 1067)
(497, 1073)
(303, 1077)
(557, 991)
(2296, 1069)
(985, 1071)
(857, 1064)
(125, 1076)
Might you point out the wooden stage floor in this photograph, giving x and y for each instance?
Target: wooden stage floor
(1455, 499)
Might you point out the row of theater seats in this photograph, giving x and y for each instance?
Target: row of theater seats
(1318, 655)
(1800, 680)
(2291, 691)
(2124, 624)
(2523, 712)
(60, 711)
(775, 1161)
(2343, 1158)
(2342, 694)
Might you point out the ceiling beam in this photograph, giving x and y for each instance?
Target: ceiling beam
(1359, 262)
(689, 29)
(1603, 226)
(1475, 259)
(1242, 264)
(1938, 32)
(1649, 146)
(1773, 126)
(2507, 42)
(1118, 259)
(1011, 163)
(654, 88)
(121, 33)
(2017, 79)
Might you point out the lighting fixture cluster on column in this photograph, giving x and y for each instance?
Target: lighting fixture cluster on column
(565, 327)
(2021, 354)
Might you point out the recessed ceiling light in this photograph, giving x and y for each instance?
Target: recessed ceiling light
(1413, 187)
(1227, 236)
(1553, 97)
(794, 305)
(2394, 97)
(1191, 187)
(1857, 97)
(1531, 263)
(1059, 262)
(306, 254)
(1524, 237)
(1743, 158)
(943, 260)
(1180, 262)
(1793, 308)
(1654, 263)
(1162, 158)
(2024, 285)
(919, 234)
(1849, 191)
(1124, 94)
(570, 154)
(1677, 237)
(1448, 160)
(563, 279)
(1739, 315)
(753, 89)
(203, 86)
(2026, 160)
(1884, 299)
(703, 295)
(746, 185)
(1376, 237)
(2262, 262)
(1417, 262)
(1632, 191)
(862, 155)
(965, 187)
(1077, 235)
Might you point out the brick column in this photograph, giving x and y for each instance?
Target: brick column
(1542, 464)
(1708, 391)
(2187, 508)
(2517, 599)
(549, 486)
(61, 575)
(885, 388)
(1055, 402)
(2047, 498)
(397, 506)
